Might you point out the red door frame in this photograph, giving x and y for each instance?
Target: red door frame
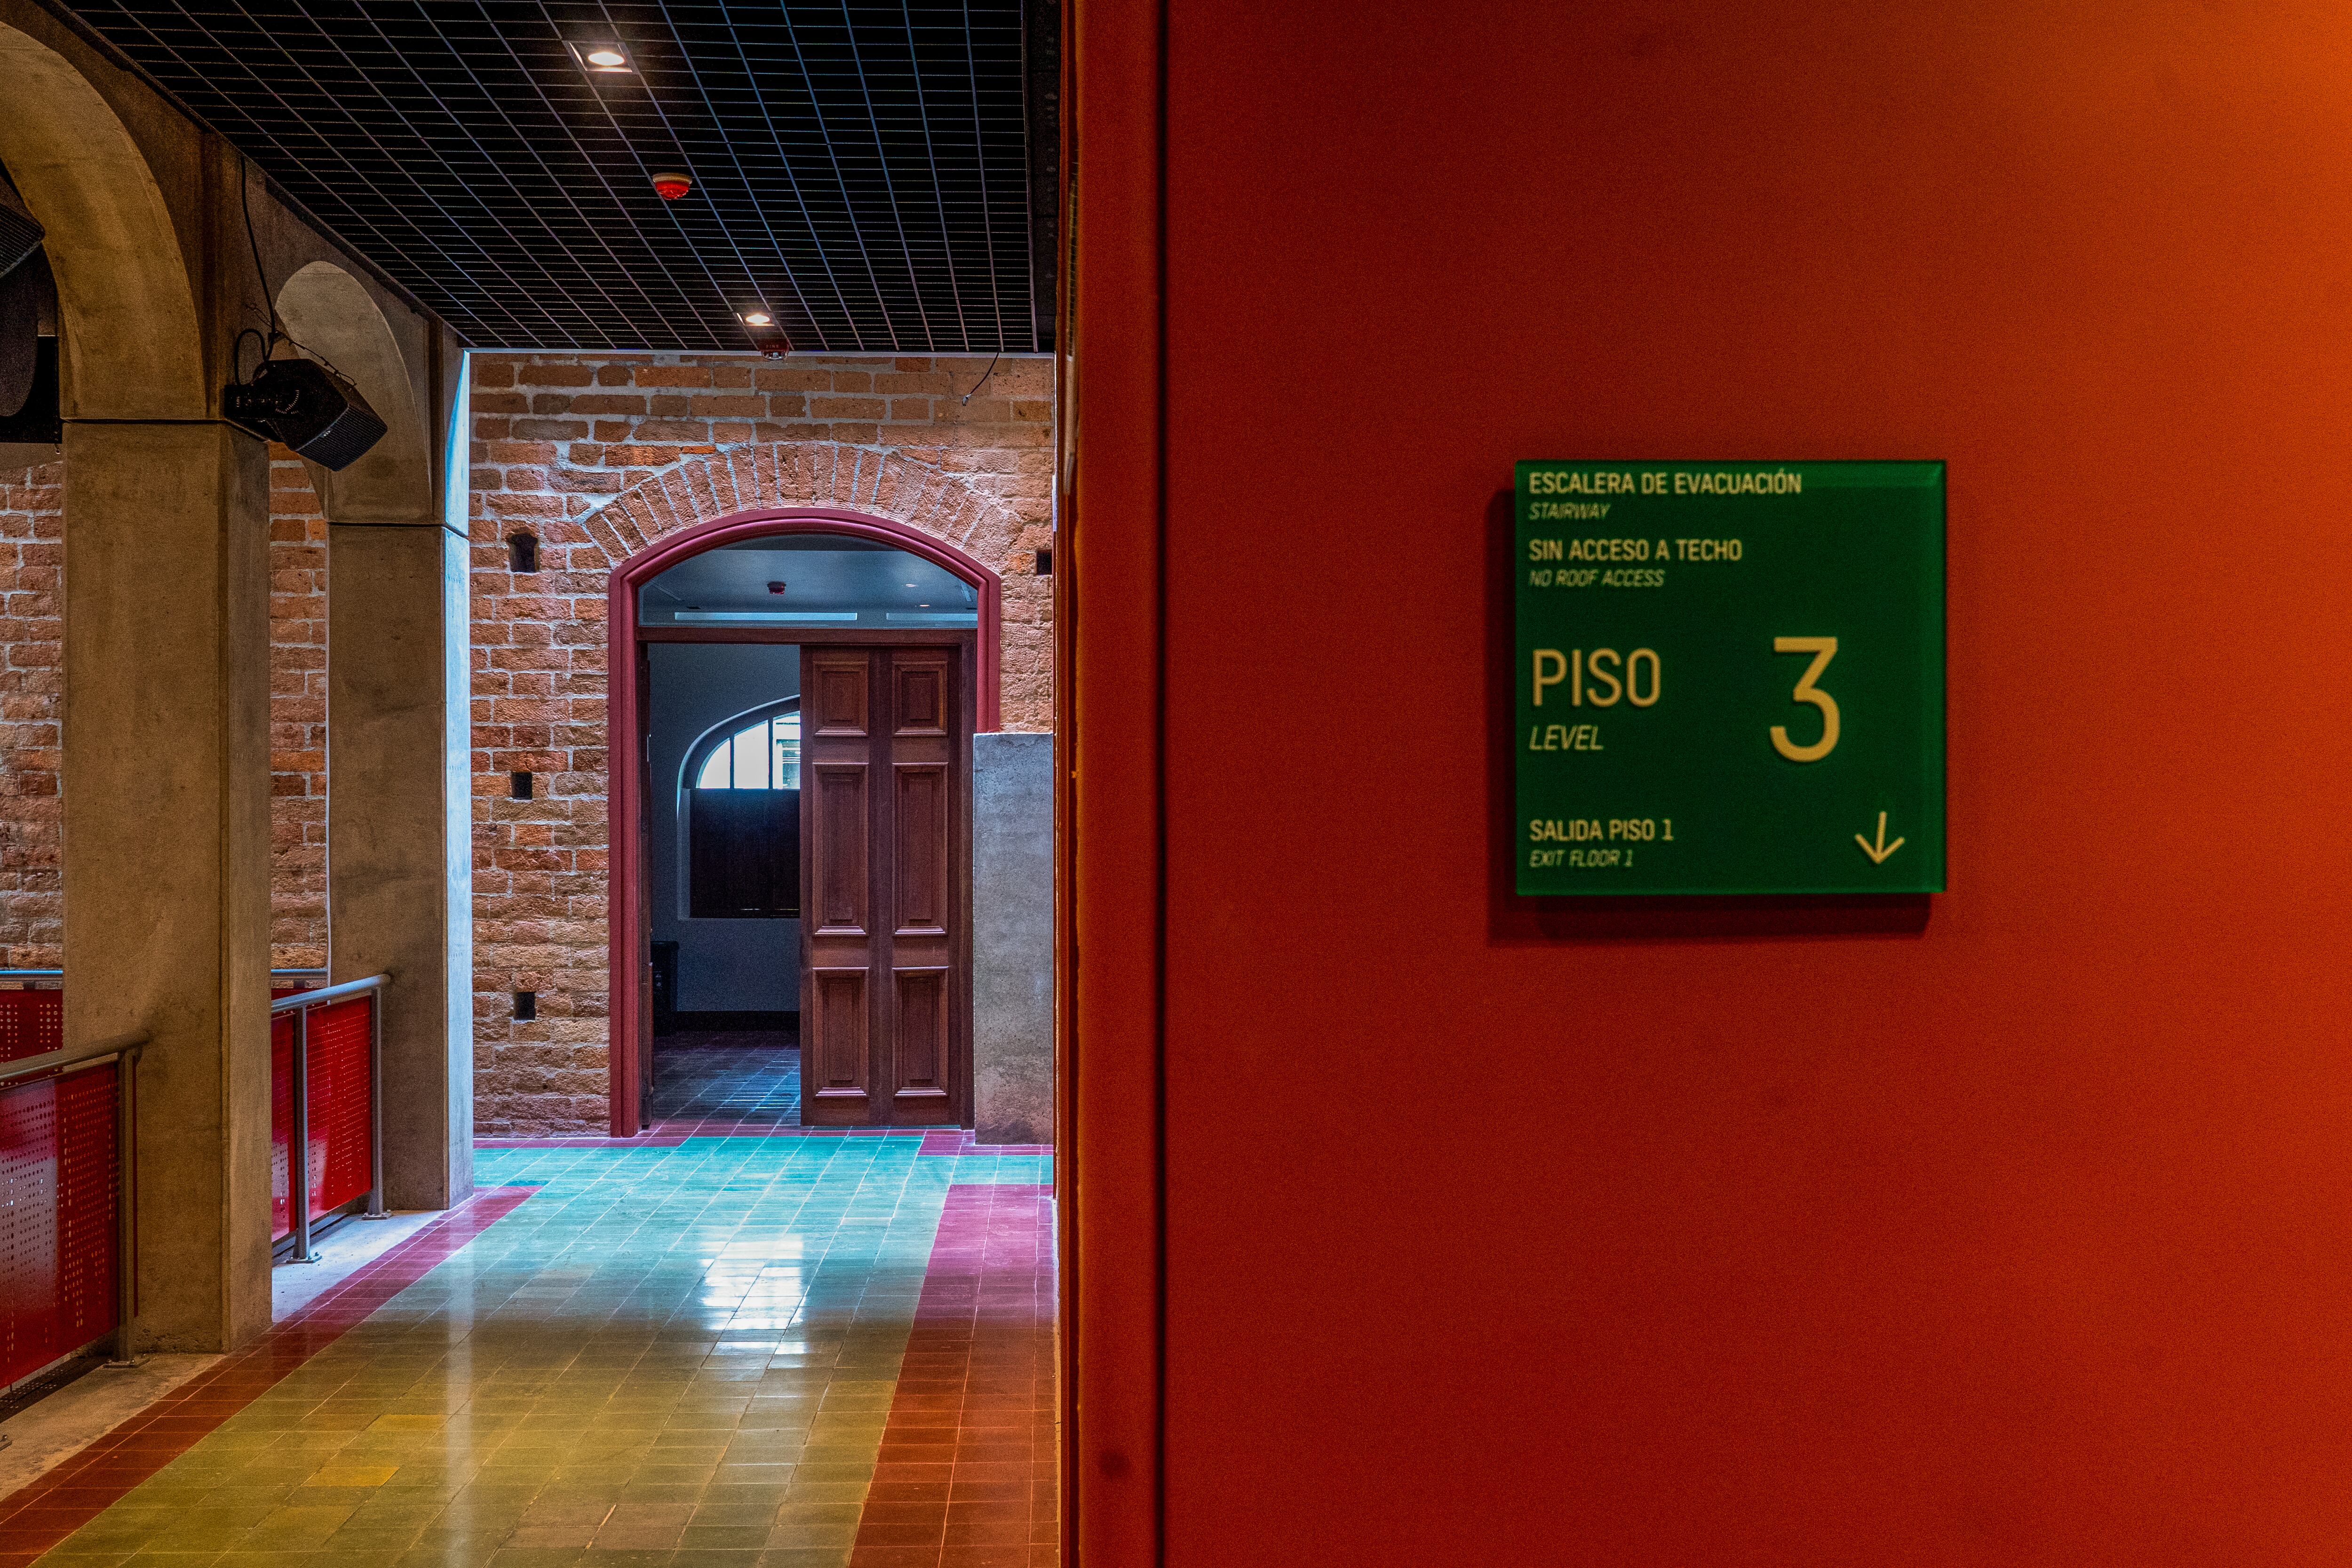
(626, 897)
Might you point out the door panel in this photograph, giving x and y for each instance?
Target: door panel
(838, 849)
(920, 1034)
(886, 879)
(837, 946)
(838, 682)
(922, 699)
(836, 1056)
(919, 826)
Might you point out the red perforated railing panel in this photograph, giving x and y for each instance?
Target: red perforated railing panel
(341, 1165)
(28, 1227)
(281, 1125)
(87, 1171)
(31, 1022)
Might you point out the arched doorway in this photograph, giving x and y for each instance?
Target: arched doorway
(957, 667)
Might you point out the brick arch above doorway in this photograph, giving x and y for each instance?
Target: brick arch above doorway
(784, 476)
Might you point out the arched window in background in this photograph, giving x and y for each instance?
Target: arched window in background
(765, 755)
(743, 821)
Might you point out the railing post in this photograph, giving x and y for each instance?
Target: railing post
(126, 1209)
(375, 1209)
(298, 1161)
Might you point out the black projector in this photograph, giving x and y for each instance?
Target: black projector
(309, 407)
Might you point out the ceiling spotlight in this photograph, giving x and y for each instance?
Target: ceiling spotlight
(670, 184)
(766, 336)
(602, 55)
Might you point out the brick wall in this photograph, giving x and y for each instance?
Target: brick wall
(32, 698)
(598, 456)
(32, 712)
(298, 716)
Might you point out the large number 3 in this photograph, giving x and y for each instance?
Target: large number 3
(1824, 649)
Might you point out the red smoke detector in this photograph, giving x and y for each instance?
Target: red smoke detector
(673, 185)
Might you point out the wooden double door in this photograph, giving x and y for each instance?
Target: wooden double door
(886, 888)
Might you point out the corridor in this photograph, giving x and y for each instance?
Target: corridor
(717, 1353)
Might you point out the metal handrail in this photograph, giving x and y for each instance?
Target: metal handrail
(59, 973)
(298, 1171)
(349, 988)
(58, 1061)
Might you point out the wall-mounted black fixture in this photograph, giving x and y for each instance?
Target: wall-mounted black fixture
(307, 407)
(522, 553)
(526, 1006)
(1046, 562)
(519, 784)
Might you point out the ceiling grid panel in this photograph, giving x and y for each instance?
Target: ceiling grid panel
(861, 172)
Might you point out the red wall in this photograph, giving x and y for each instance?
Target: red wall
(2023, 1238)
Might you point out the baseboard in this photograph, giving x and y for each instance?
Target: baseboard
(724, 1022)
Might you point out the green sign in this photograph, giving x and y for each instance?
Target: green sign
(1730, 677)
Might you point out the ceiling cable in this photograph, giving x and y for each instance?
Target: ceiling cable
(278, 333)
(983, 378)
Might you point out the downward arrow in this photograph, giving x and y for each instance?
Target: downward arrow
(1879, 851)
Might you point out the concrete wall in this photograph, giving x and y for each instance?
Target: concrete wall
(1013, 938)
(724, 966)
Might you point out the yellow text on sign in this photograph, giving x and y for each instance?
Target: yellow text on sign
(1602, 678)
(1824, 649)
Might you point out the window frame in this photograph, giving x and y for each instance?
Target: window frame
(723, 733)
(698, 756)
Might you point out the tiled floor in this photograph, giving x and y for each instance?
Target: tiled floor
(746, 1079)
(729, 1352)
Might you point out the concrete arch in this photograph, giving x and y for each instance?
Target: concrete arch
(132, 348)
(332, 316)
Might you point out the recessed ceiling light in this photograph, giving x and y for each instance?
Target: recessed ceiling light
(601, 54)
(758, 319)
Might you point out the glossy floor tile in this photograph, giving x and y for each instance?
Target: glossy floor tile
(744, 1079)
(695, 1356)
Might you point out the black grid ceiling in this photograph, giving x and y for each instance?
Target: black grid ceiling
(861, 172)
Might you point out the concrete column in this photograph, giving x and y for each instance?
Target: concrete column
(167, 844)
(398, 796)
(1013, 938)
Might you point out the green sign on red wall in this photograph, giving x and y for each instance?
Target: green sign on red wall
(1730, 677)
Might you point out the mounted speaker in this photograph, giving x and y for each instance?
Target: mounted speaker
(309, 407)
